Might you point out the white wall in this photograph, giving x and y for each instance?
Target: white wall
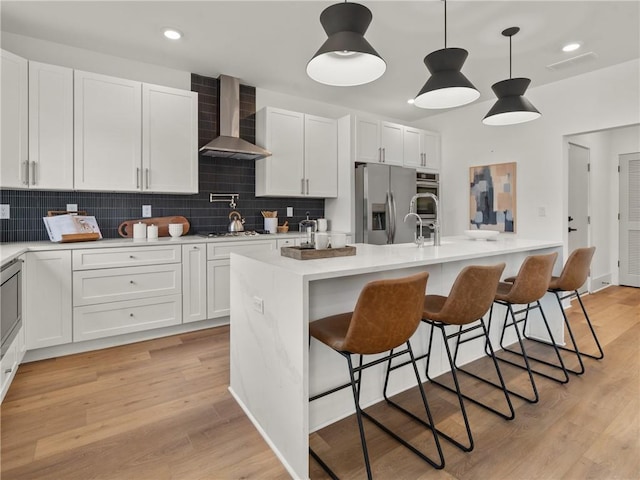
(597, 100)
(90, 61)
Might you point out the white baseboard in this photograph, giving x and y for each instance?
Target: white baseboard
(600, 283)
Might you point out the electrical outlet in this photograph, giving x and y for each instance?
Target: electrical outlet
(542, 212)
(146, 211)
(72, 207)
(258, 304)
(5, 211)
(289, 211)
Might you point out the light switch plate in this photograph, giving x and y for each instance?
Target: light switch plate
(146, 211)
(5, 211)
(258, 304)
(289, 211)
(72, 207)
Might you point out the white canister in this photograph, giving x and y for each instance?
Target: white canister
(322, 240)
(338, 240)
(271, 224)
(322, 224)
(139, 230)
(152, 232)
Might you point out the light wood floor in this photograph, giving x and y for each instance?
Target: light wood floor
(161, 410)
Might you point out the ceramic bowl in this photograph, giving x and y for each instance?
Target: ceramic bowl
(481, 234)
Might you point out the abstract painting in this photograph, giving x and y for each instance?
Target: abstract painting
(493, 197)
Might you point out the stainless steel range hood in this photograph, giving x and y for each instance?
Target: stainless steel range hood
(229, 144)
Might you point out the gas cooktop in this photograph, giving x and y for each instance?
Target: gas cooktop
(246, 233)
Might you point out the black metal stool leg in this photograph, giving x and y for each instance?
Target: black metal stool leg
(593, 332)
(356, 400)
(524, 355)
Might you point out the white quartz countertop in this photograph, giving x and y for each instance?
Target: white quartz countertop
(10, 251)
(376, 258)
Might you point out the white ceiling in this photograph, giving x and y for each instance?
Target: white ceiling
(267, 44)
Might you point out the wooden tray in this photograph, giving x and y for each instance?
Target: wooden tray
(300, 253)
(126, 228)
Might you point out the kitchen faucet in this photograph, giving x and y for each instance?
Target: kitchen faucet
(436, 223)
(420, 239)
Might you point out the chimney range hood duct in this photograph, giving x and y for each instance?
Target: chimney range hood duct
(229, 144)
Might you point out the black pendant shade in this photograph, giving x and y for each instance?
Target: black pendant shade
(511, 107)
(447, 86)
(346, 58)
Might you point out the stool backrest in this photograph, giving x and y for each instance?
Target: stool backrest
(575, 271)
(387, 313)
(471, 294)
(533, 278)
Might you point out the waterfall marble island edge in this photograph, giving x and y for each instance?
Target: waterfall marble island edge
(274, 368)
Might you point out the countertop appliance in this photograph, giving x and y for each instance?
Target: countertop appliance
(427, 183)
(11, 293)
(382, 200)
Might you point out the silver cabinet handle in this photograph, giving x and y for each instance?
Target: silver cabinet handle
(302, 186)
(25, 172)
(8, 370)
(132, 282)
(384, 155)
(131, 256)
(138, 177)
(131, 314)
(195, 248)
(307, 186)
(380, 154)
(33, 173)
(147, 177)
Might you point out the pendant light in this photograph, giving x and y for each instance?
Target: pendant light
(346, 58)
(511, 107)
(447, 87)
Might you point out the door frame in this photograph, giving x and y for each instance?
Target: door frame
(588, 202)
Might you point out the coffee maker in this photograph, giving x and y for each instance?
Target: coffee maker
(309, 228)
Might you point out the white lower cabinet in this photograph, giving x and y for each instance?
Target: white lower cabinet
(194, 282)
(218, 294)
(117, 318)
(48, 311)
(134, 289)
(219, 270)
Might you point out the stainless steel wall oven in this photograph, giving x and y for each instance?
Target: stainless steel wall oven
(11, 310)
(427, 183)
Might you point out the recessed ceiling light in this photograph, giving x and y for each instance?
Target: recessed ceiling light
(570, 47)
(411, 101)
(172, 34)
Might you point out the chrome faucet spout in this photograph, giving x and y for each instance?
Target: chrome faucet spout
(418, 240)
(436, 223)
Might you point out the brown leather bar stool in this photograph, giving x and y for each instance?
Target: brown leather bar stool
(386, 315)
(527, 288)
(469, 300)
(572, 277)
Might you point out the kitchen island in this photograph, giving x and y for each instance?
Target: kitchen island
(274, 367)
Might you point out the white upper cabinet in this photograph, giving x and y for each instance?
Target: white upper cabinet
(320, 156)
(421, 149)
(304, 160)
(14, 123)
(379, 142)
(282, 133)
(50, 127)
(169, 140)
(108, 133)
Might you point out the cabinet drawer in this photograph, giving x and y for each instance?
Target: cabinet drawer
(117, 318)
(288, 242)
(116, 284)
(126, 257)
(219, 250)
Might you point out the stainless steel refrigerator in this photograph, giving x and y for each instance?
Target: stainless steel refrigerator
(382, 200)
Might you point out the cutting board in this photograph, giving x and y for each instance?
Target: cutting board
(126, 228)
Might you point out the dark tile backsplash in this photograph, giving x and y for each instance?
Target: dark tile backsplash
(215, 176)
